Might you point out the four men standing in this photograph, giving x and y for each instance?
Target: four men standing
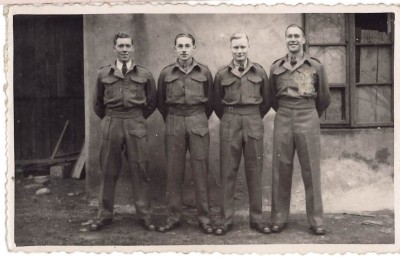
(241, 95)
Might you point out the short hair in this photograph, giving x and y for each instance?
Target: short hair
(188, 35)
(295, 26)
(238, 36)
(122, 35)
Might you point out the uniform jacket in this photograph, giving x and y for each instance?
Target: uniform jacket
(176, 88)
(250, 88)
(116, 91)
(307, 80)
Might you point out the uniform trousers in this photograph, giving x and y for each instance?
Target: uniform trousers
(187, 131)
(241, 131)
(124, 132)
(296, 129)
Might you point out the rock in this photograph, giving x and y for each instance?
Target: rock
(83, 230)
(60, 171)
(43, 191)
(33, 186)
(41, 179)
(87, 223)
(30, 177)
(70, 194)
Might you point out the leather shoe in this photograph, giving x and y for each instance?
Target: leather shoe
(278, 228)
(169, 226)
(222, 230)
(146, 224)
(260, 228)
(99, 224)
(206, 228)
(318, 230)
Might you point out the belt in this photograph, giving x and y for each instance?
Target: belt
(186, 110)
(124, 114)
(297, 103)
(242, 110)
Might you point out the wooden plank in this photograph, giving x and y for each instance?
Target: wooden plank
(59, 140)
(366, 104)
(79, 165)
(368, 64)
(41, 162)
(383, 104)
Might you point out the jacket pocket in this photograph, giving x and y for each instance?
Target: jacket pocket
(137, 86)
(256, 135)
(174, 86)
(196, 87)
(228, 89)
(252, 87)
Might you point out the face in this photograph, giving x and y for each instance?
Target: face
(295, 40)
(239, 48)
(124, 49)
(184, 48)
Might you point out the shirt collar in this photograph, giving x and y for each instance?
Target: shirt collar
(118, 72)
(194, 64)
(129, 64)
(234, 68)
(285, 62)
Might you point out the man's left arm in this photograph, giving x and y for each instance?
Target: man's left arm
(324, 97)
(151, 97)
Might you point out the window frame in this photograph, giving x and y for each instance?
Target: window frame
(350, 87)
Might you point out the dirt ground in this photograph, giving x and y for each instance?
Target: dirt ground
(59, 218)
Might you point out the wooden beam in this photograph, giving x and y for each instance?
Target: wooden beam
(59, 140)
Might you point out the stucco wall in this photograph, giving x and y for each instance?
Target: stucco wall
(153, 37)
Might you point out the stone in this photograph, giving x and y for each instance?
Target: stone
(33, 186)
(60, 171)
(43, 191)
(41, 180)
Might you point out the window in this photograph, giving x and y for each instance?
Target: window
(357, 52)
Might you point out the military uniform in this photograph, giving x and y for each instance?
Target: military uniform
(241, 101)
(123, 103)
(184, 103)
(301, 94)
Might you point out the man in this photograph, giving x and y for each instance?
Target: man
(184, 100)
(125, 96)
(301, 94)
(241, 101)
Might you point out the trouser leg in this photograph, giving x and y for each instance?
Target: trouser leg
(175, 141)
(137, 154)
(282, 165)
(253, 163)
(230, 154)
(307, 140)
(110, 162)
(199, 142)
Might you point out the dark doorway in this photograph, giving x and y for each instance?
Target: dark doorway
(48, 84)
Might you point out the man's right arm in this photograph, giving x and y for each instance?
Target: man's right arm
(98, 105)
(161, 96)
(218, 107)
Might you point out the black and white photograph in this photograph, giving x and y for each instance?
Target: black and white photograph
(232, 129)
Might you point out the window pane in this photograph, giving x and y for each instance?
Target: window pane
(373, 104)
(372, 28)
(336, 110)
(334, 60)
(326, 28)
(373, 64)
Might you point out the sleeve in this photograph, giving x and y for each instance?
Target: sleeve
(151, 96)
(98, 101)
(324, 97)
(218, 95)
(161, 96)
(210, 94)
(266, 94)
(272, 86)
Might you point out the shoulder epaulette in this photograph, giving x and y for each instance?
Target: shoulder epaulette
(104, 66)
(202, 64)
(222, 67)
(258, 65)
(315, 59)
(277, 60)
(169, 65)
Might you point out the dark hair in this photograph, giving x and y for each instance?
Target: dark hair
(185, 35)
(238, 36)
(122, 35)
(295, 26)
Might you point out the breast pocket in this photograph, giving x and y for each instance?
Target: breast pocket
(196, 85)
(174, 86)
(252, 86)
(137, 87)
(228, 89)
(110, 86)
